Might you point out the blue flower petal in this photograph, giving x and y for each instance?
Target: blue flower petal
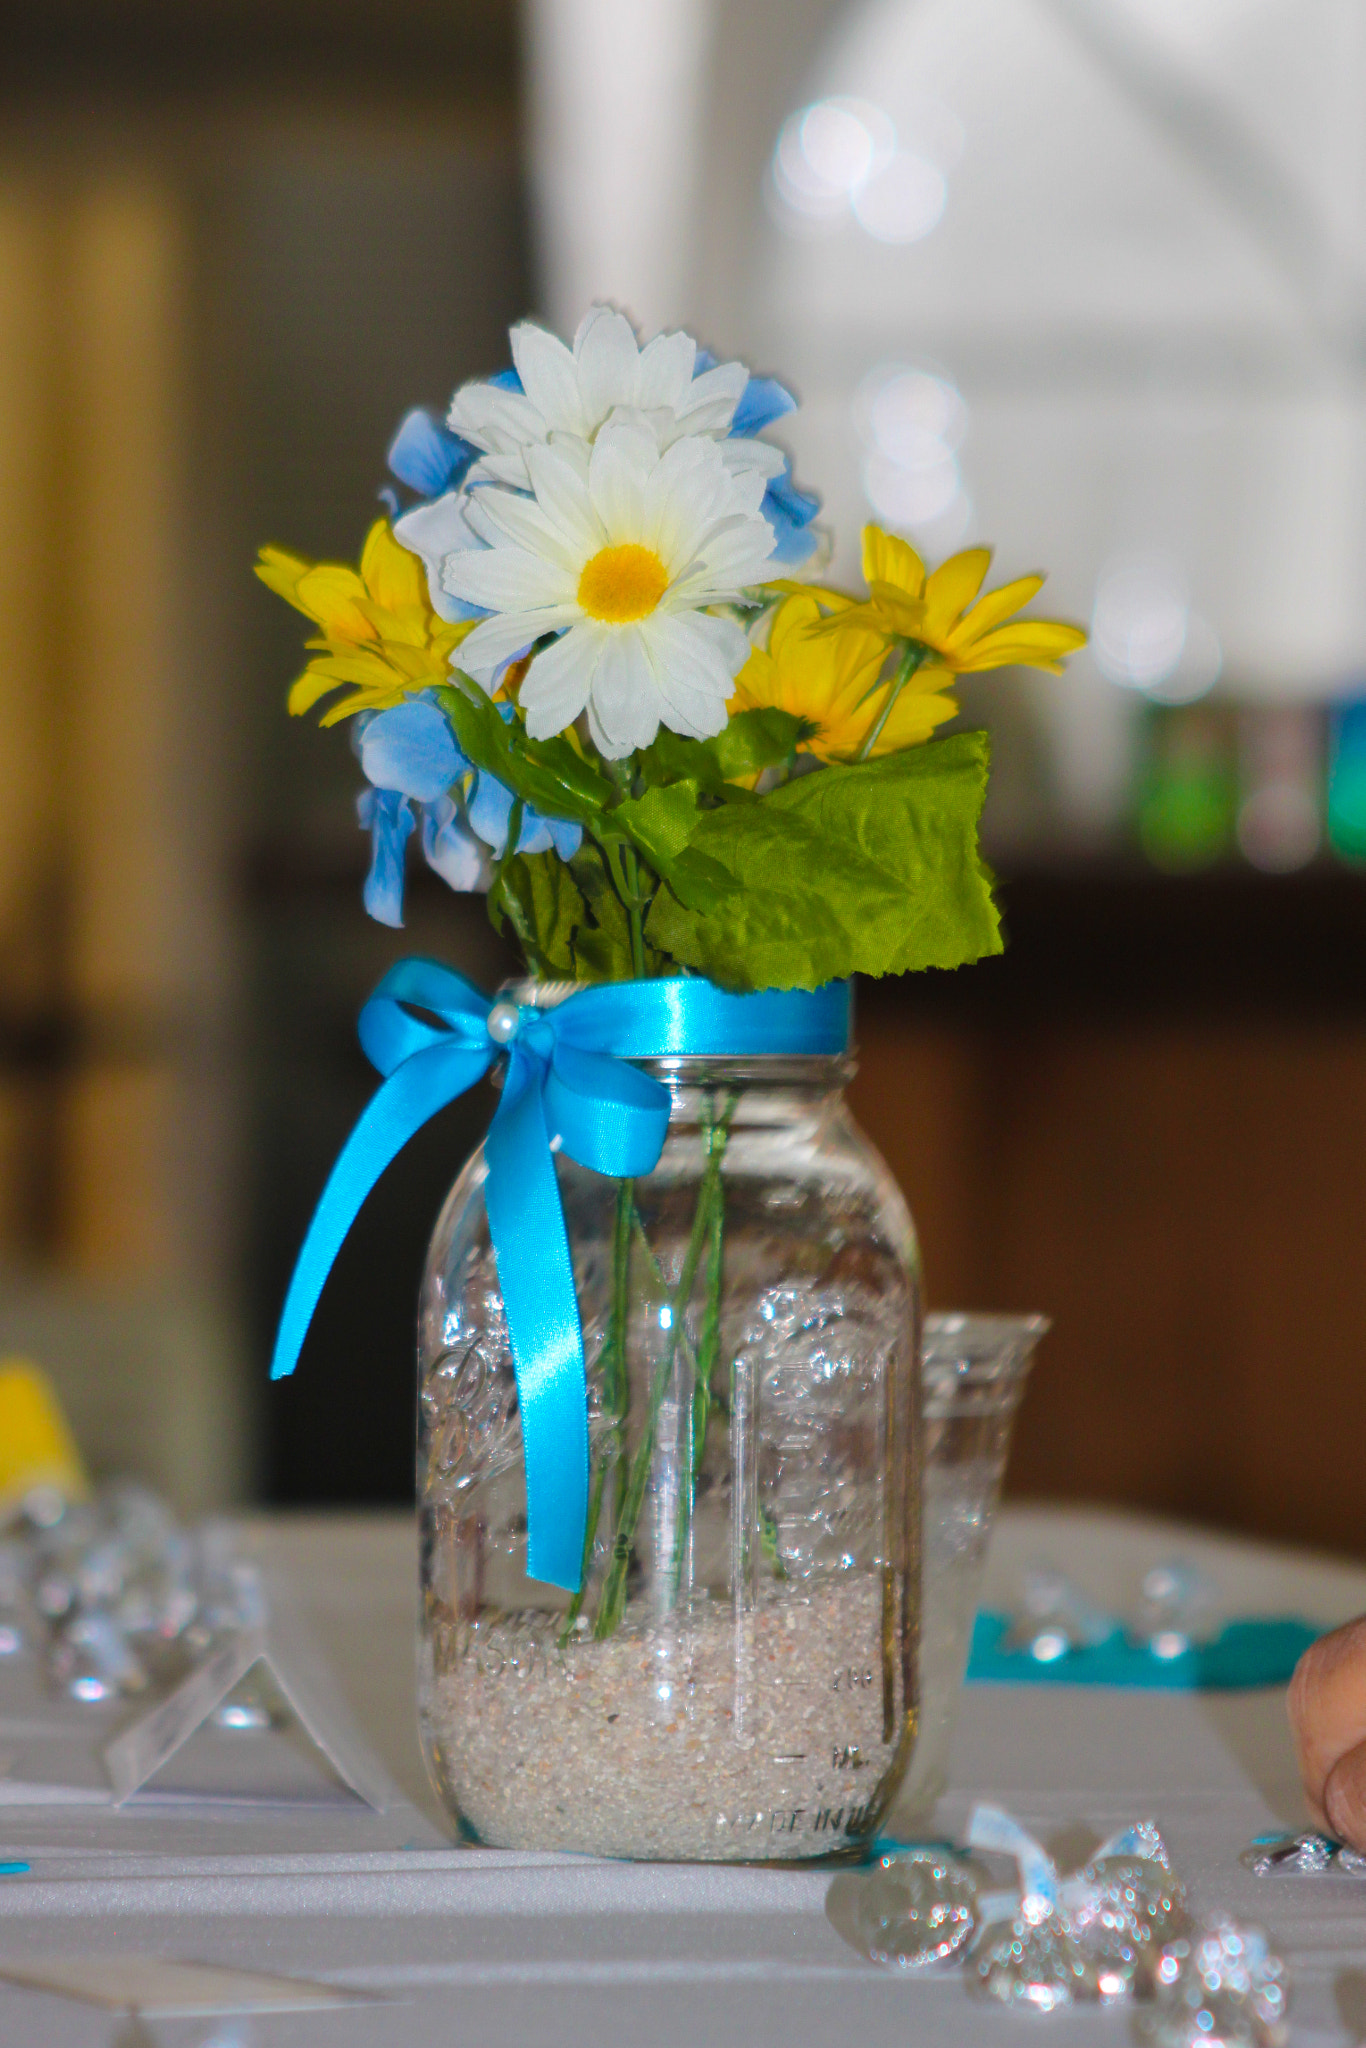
(411, 749)
(427, 456)
(389, 818)
(451, 849)
(762, 401)
(565, 837)
(489, 808)
(506, 380)
(790, 513)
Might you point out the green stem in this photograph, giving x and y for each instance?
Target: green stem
(621, 865)
(616, 1386)
(708, 1345)
(633, 910)
(613, 1599)
(914, 655)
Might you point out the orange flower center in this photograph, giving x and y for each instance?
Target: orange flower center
(622, 583)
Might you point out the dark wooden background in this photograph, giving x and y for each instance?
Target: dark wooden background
(1149, 1121)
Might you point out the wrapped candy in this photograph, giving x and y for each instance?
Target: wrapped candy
(1092, 1937)
(1306, 1855)
(1219, 1986)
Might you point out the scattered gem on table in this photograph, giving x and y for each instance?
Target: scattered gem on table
(1056, 1617)
(1307, 1855)
(1177, 1610)
(917, 1907)
(1091, 1937)
(1221, 1985)
(118, 1598)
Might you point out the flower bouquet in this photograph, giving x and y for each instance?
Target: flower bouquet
(669, 1327)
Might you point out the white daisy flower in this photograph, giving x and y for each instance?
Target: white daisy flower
(619, 552)
(605, 375)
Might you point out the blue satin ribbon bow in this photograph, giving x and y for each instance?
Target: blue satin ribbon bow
(569, 1086)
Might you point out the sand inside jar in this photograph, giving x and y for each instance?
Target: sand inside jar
(704, 1735)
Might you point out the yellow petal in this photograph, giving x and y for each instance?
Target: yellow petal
(889, 560)
(329, 594)
(792, 619)
(896, 612)
(281, 573)
(362, 700)
(394, 577)
(912, 719)
(305, 691)
(1032, 643)
(951, 589)
(995, 606)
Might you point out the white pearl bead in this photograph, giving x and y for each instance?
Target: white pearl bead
(504, 1022)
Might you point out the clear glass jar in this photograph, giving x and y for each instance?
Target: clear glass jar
(737, 1680)
(973, 1372)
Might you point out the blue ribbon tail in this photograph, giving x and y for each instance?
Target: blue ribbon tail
(412, 1095)
(536, 1275)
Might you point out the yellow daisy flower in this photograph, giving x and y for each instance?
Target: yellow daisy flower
(380, 635)
(832, 680)
(938, 612)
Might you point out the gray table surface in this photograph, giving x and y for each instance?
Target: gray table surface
(474, 1946)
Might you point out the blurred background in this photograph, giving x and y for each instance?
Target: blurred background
(1083, 278)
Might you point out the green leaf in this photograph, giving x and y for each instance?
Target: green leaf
(602, 944)
(550, 775)
(661, 824)
(752, 741)
(552, 909)
(866, 869)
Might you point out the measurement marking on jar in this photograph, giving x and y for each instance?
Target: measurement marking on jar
(850, 1677)
(799, 1757)
(848, 1758)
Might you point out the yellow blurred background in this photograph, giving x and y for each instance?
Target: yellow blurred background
(1086, 278)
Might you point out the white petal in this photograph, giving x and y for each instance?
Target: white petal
(434, 531)
(625, 700)
(494, 419)
(523, 521)
(501, 469)
(560, 680)
(561, 488)
(737, 556)
(617, 479)
(666, 367)
(496, 640)
(548, 376)
(746, 488)
(688, 489)
(740, 454)
(716, 390)
(681, 642)
(507, 579)
(607, 356)
(697, 712)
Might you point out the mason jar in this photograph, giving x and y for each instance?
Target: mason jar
(737, 1678)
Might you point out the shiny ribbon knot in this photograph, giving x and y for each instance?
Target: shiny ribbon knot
(568, 1085)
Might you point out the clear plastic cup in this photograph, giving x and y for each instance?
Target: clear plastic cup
(973, 1374)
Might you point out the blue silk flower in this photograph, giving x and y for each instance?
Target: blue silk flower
(411, 759)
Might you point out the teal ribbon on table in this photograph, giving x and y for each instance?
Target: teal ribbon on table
(1252, 1651)
(568, 1085)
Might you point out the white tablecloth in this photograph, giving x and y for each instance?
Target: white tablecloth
(462, 1946)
